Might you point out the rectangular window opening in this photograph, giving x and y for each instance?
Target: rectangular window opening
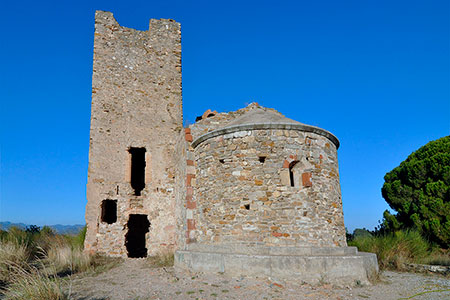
(262, 159)
(137, 169)
(135, 240)
(109, 211)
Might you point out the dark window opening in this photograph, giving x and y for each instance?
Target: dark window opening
(198, 118)
(291, 173)
(262, 159)
(137, 169)
(247, 206)
(109, 211)
(211, 115)
(117, 190)
(138, 226)
(222, 161)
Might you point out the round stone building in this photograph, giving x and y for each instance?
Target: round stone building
(263, 198)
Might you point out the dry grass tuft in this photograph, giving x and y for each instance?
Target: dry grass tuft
(102, 263)
(67, 259)
(33, 262)
(394, 250)
(163, 259)
(34, 284)
(440, 257)
(12, 255)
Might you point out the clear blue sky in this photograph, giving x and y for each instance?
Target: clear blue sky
(375, 73)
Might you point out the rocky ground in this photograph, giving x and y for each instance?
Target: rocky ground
(136, 279)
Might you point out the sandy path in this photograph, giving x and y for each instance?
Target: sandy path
(134, 279)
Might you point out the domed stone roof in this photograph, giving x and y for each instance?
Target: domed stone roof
(261, 118)
(260, 115)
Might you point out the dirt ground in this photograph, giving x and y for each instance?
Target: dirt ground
(136, 279)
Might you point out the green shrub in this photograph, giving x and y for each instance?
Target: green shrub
(361, 232)
(77, 241)
(3, 234)
(18, 236)
(439, 257)
(31, 238)
(419, 191)
(394, 249)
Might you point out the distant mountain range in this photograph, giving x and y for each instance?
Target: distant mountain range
(58, 228)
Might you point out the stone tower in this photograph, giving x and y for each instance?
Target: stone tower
(135, 121)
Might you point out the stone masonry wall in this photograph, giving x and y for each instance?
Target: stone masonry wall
(136, 102)
(180, 189)
(241, 199)
(184, 189)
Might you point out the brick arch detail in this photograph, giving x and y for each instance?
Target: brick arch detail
(306, 176)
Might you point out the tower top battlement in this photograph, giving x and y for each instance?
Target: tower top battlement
(107, 18)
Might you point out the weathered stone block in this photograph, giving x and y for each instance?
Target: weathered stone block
(306, 179)
(285, 177)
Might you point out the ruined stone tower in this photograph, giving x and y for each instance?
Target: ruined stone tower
(248, 192)
(135, 120)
